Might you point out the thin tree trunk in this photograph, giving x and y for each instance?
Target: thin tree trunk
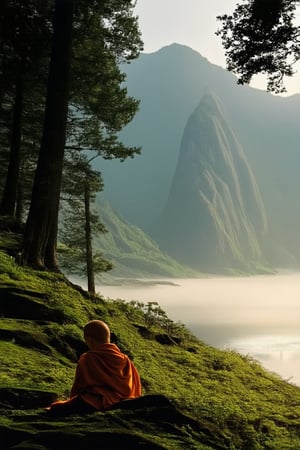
(41, 228)
(88, 240)
(8, 204)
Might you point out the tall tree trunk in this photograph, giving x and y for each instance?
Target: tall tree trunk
(3, 7)
(8, 203)
(88, 240)
(41, 228)
(20, 201)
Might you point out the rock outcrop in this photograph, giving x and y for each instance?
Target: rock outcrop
(214, 218)
(132, 424)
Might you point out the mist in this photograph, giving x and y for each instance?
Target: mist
(258, 316)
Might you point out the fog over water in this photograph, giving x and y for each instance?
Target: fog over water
(259, 316)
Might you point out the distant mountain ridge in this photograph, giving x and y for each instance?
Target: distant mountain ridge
(170, 84)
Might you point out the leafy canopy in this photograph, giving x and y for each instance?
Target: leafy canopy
(261, 36)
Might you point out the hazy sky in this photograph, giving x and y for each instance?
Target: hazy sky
(192, 23)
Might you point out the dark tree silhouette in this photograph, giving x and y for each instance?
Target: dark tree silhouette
(24, 53)
(10, 189)
(41, 227)
(261, 37)
(83, 75)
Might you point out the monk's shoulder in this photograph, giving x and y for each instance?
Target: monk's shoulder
(84, 357)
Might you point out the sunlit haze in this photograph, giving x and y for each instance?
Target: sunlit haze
(257, 316)
(193, 23)
(261, 300)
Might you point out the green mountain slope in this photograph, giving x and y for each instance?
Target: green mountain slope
(170, 84)
(132, 251)
(194, 396)
(214, 218)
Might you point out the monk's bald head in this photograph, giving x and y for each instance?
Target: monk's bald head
(98, 330)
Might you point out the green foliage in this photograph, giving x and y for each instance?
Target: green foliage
(152, 316)
(261, 37)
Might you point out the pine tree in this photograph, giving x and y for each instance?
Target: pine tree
(80, 222)
(24, 43)
(103, 35)
(119, 40)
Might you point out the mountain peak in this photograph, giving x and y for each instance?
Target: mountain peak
(214, 217)
(209, 103)
(179, 51)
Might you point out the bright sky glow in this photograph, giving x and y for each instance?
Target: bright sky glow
(193, 23)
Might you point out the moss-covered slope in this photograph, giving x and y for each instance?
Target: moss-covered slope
(195, 396)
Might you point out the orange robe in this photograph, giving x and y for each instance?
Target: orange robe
(104, 377)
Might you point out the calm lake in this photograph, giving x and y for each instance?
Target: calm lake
(258, 316)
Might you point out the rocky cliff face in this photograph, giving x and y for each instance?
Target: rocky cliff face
(170, 84)
(214, 217)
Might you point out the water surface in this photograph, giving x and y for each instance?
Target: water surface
(259, 316)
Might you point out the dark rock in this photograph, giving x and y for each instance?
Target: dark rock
(165, 339)
(68, 346)
(24, 339)
(145, 332)
(143, 402)
(192, 350)
(25, 398)
(151, 422)
(24, 304)
(97, 440)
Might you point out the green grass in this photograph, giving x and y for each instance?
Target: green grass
(27, 368)
(232, 393)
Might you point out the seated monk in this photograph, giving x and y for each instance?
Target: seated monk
(104, 376)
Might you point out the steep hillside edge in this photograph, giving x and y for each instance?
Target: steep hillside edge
(194, 396)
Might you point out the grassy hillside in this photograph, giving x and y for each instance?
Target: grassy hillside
(196, 397)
